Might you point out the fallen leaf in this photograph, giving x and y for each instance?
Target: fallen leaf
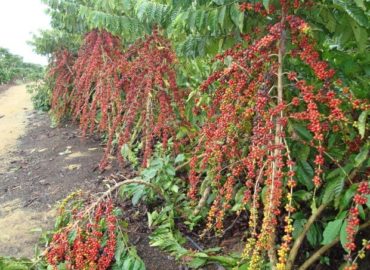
(72, 167)
(66, 152)
(76, 155)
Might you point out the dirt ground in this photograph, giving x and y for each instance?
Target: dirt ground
(40, 165)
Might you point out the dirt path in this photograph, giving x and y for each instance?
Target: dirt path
(14, 104)
(39, 165)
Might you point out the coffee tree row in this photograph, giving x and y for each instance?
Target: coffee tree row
(266, 100)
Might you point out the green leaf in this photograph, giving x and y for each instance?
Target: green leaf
(301, 151)
(120, 250)
(305, 173)
(333, 188)
(212, 250)
(139, 192)
(138, 265)
(221, 16)
(239, 205)
(219, 2)
(362, 156)
(237, 16)
(200, 20)
(157, 163)
(362, 123)
(170, 170)
(58, 222)
(127, 263)
(342, 215)
(128, 154)
(197, 262)
(368, 201)
(175, 188)
(244, 266)
(314, 235)
(331, 231)
(361, 212)
(149, 173)
(347, 197)
(62, 266)
(335, 173)
(72, 236)
(191, 22)
(118, 212)
(329, 19)
(298, 227)
(266, 4)
(228, 261)
(360, 35)
(353, 11)
(302, 195)
(302, 132)
(212, 21)
(343, 234)
(180, 158)
(361, 4)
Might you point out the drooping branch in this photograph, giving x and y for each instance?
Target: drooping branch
(151, 95)
(125, 182)
(278, 126)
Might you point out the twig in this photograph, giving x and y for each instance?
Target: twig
(202, 201)
(137, 181)
(255, 198)
(186, 163)
(195, 244)
(297, 243)
(69, 69)
(231, 225)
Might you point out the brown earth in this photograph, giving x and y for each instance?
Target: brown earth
(40, 165)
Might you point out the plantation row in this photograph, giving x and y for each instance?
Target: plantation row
(265, 131)
(12, 68)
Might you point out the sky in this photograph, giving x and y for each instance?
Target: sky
(18, 20)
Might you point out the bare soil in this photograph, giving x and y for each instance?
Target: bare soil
(40, 165)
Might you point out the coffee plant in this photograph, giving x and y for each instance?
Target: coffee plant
(88, 236)
(40, 94)
(109, 87)
(252, 111)
(261, 107)
(151, 92)
(96, 80)
(62, 75)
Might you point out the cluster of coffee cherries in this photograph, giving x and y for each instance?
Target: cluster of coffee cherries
(63, 77)
(151, 92)
(85, 241)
